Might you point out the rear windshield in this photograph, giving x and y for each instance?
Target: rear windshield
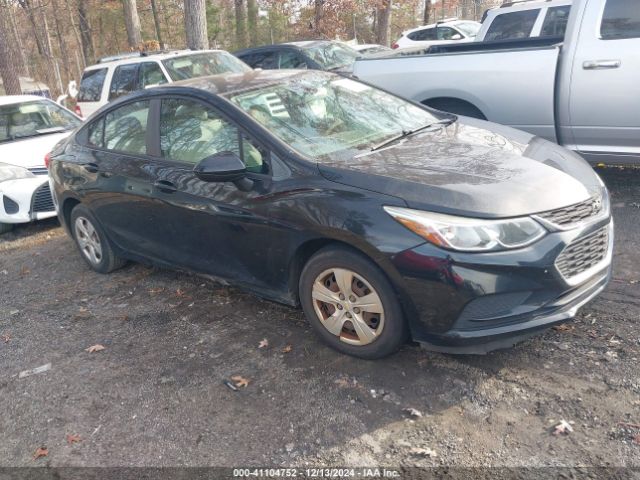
(513, 25)
(203, 64)
(32, 119)
(91, 85)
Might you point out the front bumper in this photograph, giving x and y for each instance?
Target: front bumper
(25, 200)
(475, 303)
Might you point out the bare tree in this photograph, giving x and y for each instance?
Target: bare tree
(195, 24)
(85, 33)
(427, 12)
(241, 30)
(8, 72)
(318, 14)
(156, 22)
(384, 19)
(132, 22)
(252, 21)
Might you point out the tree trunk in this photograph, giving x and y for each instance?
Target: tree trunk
(62, 44)
(252, 21)
(241, 24)
(76, 34)
(195, 24)
(28, 8)
(156, 22)
(8, 72)
(85, 33)
(427, 12)
(15, 38)
(132, 22)
(384, 18)
(318, 14)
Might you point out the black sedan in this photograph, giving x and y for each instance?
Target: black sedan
(382, 218)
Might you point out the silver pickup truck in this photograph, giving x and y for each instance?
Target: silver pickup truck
(583, 93)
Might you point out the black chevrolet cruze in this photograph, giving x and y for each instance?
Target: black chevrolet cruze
(382, 218)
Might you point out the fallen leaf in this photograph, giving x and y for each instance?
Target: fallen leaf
(95, 348)
(563, 428)
(636, 439)
(263, 343)
(412, 412)
(40, 452)
(6, 337)
(240, 381)
(424, 452)
(287, 349)
(25, 271)
(73, 438)
(563, 327)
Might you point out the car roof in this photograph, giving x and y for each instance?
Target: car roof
(225, 83)
(147, 57)
(528, 5)
(13, 99)
(450, 23)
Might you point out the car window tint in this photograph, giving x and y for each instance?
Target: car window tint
(445, 33)
(291, 59)
(91, 85)
(422, 35)
(621, 19)
(266, 60)
(95, 137)
(512, 25)
(253, 156)
(191, 131)
(125, 80)
(125, 128)
(151, 74)
(555, 23)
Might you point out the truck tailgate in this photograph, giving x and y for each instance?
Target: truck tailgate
(512, 87)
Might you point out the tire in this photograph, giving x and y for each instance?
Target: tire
(5, 227)
(341, 321)
(95, 248)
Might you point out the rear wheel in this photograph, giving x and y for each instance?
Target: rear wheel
(5, 227)
(351, 304)
(93, 244)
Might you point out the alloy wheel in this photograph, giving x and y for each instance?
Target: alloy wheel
(348, 306)
(88, 240)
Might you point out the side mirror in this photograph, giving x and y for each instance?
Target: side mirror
(220, 167)
(457, 36)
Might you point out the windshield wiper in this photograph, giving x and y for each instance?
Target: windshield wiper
(406, 133)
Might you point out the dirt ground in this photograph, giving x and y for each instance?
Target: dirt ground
(155, 395)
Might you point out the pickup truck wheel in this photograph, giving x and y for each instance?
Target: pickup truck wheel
(454, 105)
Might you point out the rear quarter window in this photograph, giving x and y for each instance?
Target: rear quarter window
(513, 25)
(555, 22)
(91, 85)
(621, 19)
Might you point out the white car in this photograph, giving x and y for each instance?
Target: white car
(30, 126)
(118, 75)
(442, 32)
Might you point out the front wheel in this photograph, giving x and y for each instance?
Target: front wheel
(351, 304)
(92, 242)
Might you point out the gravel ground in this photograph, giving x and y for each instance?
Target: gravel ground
(155, 395)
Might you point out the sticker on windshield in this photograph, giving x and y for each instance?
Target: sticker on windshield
(349, 84)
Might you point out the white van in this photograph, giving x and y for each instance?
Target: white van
(115, 76)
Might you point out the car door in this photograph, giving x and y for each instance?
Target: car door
(118, 179)
(210, 227)
(606, 67)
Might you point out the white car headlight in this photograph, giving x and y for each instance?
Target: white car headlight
(469, 234)
(11, 172)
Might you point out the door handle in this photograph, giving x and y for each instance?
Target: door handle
(165, 186)
(91, 167)
(601, 64)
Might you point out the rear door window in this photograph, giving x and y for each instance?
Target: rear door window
(125, 80)
(125, 128)
(265, 59)
(445, 33)
(423, 35)
(621, 19)
(292, 59)
(151, 74)
(95, 136)
(555, 23)
(91, 85)
(508, 26)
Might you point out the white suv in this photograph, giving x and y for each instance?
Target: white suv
(115, 76)
(524, 19)
(445, 31)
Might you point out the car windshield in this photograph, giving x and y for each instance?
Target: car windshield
(327, 117)
(469, 29)
(33, 118)
(203, 64)
(332, 55)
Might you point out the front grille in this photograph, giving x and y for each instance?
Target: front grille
(573, 213)
(583, 253)
(42, 200)
(39, 170)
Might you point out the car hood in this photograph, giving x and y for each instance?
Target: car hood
(474, 168)
(29, 152)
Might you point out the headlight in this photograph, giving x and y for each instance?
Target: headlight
(469, 234)
(11, 172)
